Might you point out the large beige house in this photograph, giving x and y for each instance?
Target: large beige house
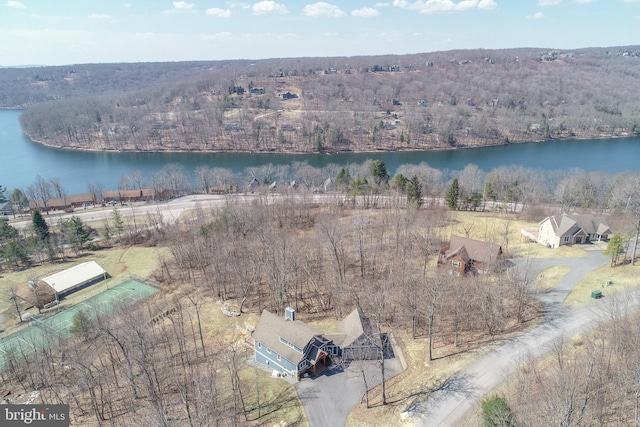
(558, 230)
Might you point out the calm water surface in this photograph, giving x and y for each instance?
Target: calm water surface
(21, 160)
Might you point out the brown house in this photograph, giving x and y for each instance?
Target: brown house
(463, 256)
(142, 195)
(72, 201)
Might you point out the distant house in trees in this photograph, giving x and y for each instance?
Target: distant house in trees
(289, 95)
(558, 230)
(253, 185)
(257, 90)
(142, 195)
(6, 208)
(72, 201)
(464, 255)
(293, 348)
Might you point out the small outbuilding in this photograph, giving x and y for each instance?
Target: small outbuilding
(71, 279)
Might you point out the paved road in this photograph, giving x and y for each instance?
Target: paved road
(170, 211)
(450, 405)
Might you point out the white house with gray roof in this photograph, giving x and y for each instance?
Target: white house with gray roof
(565, 229)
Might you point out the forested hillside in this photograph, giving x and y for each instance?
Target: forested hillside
(423, 101)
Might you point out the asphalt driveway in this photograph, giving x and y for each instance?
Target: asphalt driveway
(449, 405)
(328, 399)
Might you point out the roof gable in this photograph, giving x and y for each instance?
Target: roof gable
(476, 250)
(272, 327)
(566, 224)
(353, 327)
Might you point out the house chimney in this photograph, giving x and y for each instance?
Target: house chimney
(289, 314)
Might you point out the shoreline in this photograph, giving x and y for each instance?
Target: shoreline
(328, 153)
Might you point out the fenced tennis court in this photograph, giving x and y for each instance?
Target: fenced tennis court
(43, 332)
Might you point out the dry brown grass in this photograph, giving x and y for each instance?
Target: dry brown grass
(622, 277)
(549, 278)
(416, 383)
(504, 229)
(117, 262)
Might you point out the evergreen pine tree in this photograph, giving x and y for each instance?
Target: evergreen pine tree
(379, 172)
(414, 191)
(40, 226)
(452, 194)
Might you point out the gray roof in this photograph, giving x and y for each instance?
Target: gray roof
(350, 329)
(271, 327)
(571, 224)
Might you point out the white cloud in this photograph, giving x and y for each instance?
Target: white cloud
(381, 4)
(447, 41)
(218, 13)
(549, 2)
(585, 1)
(487, 4)
(127, 5)
(537, 15)
(182, 5)
(365, 12)
(323, 9)
(16, 4)
(99, 16)
(218, 36)
(434, 6)
(268, 6)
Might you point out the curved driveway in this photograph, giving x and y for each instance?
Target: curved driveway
(450, 405)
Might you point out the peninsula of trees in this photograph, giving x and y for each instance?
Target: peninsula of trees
(440, 100)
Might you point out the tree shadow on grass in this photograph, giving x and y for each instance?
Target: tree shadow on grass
(440, 390)
(283, 401)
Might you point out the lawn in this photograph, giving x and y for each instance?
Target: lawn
(622, 278)
(117, 262)
(504, 229)
(549, 278)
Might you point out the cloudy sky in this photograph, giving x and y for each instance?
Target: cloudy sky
(55, 32)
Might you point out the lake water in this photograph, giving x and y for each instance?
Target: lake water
(21, 160)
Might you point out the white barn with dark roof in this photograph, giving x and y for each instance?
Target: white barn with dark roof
(71, 279)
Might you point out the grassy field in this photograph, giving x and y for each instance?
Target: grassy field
(549, 278)
(622, 278)
(504, 229)
(117, 262)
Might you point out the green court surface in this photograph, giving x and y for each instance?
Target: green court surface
(43, 332)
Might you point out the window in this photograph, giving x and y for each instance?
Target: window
(279, 358)
(259, 345)
(456, 264)
(566, 238)
(268, 350)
